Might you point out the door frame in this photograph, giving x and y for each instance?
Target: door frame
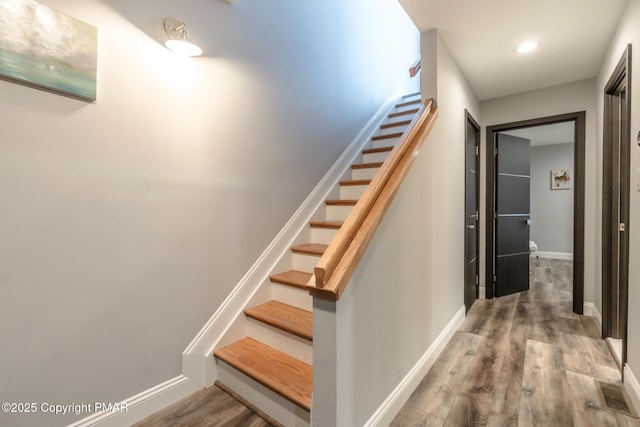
(620, 78)
(578, 118)
(470, 120)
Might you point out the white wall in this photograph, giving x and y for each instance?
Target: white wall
(409, 284)
(628, 32)
(125, 223)
(551, 210)
(567, 98)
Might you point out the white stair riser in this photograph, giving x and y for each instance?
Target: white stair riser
(375, 157)
(293, 296)
(409, 113)
(385, 143)
(282, 341)
(348, 192)
(406, 108)
(303, 262)
(367, 173)
(323, 235)
(338, 213)
(411, 98)
(395, 129)
(284, 411)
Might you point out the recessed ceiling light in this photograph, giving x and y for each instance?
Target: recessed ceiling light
(527, 47)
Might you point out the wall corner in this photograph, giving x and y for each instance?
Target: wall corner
(429, 58)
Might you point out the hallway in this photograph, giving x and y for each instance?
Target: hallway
(524, 360)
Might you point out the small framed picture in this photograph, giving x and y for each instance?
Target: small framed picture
(561, 179)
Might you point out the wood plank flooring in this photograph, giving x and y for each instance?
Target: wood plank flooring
(520, 360)
(205, 408)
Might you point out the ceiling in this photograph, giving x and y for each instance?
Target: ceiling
(482, 36)
(559, 133)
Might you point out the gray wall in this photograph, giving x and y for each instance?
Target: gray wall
(551, 210)
(126, 223)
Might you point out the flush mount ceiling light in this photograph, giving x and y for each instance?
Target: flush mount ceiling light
(179, 41)
(527, 46)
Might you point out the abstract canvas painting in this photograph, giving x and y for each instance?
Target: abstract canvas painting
(48, 49)
(561, 179)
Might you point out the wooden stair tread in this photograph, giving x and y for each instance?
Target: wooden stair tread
(285, 317)
(295, 278)
(377, 150)
(355, 182)
(309, 249)
(277, 371)
(366, 165)
(395, 124)
(346, 202)
(387, 136)
(405, 104)
(403, 113)
(326, 224)
(409, 95)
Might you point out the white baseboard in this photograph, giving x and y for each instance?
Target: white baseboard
(399, 396)
(197, 363)
(553, 255)
(632, 386)
(142, 405)
(590, 309)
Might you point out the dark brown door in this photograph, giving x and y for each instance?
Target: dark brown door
(615, 203)
(472, 190)
(513, 215)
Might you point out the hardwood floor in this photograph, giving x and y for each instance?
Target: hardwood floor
(520, 360)
(205, 408)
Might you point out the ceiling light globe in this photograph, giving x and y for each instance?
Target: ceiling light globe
(527, 47)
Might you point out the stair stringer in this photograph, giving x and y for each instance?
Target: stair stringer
(228, 323)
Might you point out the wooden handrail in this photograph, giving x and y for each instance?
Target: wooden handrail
(341, 257)
(415, 68)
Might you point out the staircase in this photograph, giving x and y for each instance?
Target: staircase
(271, 368)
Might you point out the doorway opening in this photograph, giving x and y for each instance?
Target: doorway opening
(521, 220)
(615, 207)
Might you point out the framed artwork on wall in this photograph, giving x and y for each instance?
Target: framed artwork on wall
(47, 49)
(561, 179)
